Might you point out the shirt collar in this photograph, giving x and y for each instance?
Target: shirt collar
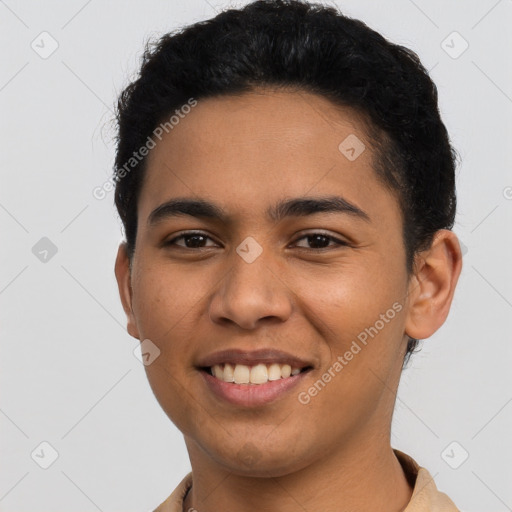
(425, 495)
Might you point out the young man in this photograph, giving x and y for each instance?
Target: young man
(286, 187)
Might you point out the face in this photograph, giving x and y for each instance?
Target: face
(312, 280)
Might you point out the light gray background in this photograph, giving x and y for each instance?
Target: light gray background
(68, 373)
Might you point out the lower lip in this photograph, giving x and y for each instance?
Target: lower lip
(252, 395)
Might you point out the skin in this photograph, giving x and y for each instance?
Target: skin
(245, 153)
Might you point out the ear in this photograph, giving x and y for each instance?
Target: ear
(123, 276)
(431, 288)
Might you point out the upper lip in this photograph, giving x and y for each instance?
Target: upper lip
(253, 357)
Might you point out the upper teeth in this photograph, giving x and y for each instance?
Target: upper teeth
(258, 374)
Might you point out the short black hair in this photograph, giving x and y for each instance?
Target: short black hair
(293, 44)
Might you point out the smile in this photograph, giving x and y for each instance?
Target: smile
(257, 374)
(252, 386)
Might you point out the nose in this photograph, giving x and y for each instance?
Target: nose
(251, 293)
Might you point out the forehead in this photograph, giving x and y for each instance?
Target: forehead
(250, 149)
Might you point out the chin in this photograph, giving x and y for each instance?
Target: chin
(254, 461)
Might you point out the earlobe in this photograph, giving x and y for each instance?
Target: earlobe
(123, 277)
(432, 287)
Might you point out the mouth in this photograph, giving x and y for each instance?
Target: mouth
(258, 374)
(253, 378)
(253, 386)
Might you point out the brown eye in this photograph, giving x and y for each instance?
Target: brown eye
(321, 241)
(192, 239)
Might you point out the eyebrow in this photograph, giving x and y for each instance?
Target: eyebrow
(299, 207)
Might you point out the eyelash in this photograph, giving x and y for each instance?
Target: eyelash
(339, 242)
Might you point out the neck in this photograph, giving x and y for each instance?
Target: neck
(363, 476)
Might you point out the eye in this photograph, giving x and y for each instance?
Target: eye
(321, 239)
(197, 240)
(193, 240)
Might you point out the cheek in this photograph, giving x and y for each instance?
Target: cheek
(360, 316)
(165, 306)
(351, 296)
(359, 311)
(165, 303)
